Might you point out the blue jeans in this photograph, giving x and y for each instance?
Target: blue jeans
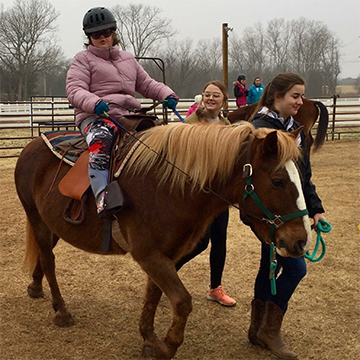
(293, 270)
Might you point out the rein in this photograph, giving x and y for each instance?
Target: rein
(169, 162)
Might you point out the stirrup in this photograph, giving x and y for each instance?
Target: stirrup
(113, 200)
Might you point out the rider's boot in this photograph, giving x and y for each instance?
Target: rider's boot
(108, 197)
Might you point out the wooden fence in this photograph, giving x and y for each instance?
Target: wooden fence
(20, 122)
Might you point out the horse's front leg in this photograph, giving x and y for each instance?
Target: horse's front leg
(152, 297)
(162, 271)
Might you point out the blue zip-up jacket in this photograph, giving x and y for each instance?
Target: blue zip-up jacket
(255, 93)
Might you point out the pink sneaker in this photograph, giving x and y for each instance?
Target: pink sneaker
(220, 296)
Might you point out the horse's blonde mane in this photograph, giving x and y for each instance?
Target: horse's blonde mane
(203, 152)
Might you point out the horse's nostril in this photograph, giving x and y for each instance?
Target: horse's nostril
(300, 246)
(281, 244)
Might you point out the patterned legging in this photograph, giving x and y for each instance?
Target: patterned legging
(100, 135)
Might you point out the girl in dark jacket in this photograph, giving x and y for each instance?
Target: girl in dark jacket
(280, 101)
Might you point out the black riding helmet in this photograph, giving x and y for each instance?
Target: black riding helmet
(97, 19)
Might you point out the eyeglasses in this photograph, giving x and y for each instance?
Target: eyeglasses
(214, 95)
(106, 33)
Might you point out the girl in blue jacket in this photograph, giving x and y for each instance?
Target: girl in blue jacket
(255, 91)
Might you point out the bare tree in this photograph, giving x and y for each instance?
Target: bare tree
(308, 40)
(27, 43)
(357, 84)
(237, 55)
(184, 71)
(248, 54)
(141, 28)
(306, 47)
(278, 38)
(330, 67)
(209, 54)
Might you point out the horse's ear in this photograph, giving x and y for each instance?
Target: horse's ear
(270, 144)
(296, 133)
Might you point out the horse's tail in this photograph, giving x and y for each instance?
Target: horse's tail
(322, 125)
(32, 250)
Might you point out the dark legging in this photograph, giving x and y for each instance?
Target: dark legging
(217, 232)
(293, 270)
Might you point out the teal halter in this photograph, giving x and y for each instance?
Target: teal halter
(275, 221)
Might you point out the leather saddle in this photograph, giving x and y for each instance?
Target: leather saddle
(76, 182)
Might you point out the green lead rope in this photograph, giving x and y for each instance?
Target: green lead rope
(322, 227)
(273, 264)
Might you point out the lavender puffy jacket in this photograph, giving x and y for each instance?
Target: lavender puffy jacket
(112, 76)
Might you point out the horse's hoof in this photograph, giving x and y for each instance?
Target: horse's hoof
(148, 351)
(63, 319)
(162, 352)
(35, 291)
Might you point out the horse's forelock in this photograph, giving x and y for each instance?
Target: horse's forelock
(287, 146)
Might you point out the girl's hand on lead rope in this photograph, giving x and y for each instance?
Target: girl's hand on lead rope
(317, 218)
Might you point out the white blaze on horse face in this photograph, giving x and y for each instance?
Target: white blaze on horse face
(300, 201)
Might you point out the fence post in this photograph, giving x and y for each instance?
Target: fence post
(31, 116)
(334, 97)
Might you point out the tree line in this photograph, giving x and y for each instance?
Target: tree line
(31, 63)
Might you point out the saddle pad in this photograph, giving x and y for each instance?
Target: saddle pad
(66, 145)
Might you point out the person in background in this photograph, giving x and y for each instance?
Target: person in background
(280, 101)
(194, 106)
(240, 91)
(255, 91)
(214, 97)
(102, 79)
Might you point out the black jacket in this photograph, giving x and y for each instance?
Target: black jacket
(313, 202)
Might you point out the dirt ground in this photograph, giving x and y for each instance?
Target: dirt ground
(104, 293)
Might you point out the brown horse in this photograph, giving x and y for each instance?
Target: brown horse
(307, 115)
(167, 210)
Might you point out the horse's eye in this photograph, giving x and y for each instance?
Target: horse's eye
(277, 182)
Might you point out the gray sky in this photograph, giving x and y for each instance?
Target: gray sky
(203, 19)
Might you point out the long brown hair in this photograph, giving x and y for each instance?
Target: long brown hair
(200, 111)
(279, 86)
